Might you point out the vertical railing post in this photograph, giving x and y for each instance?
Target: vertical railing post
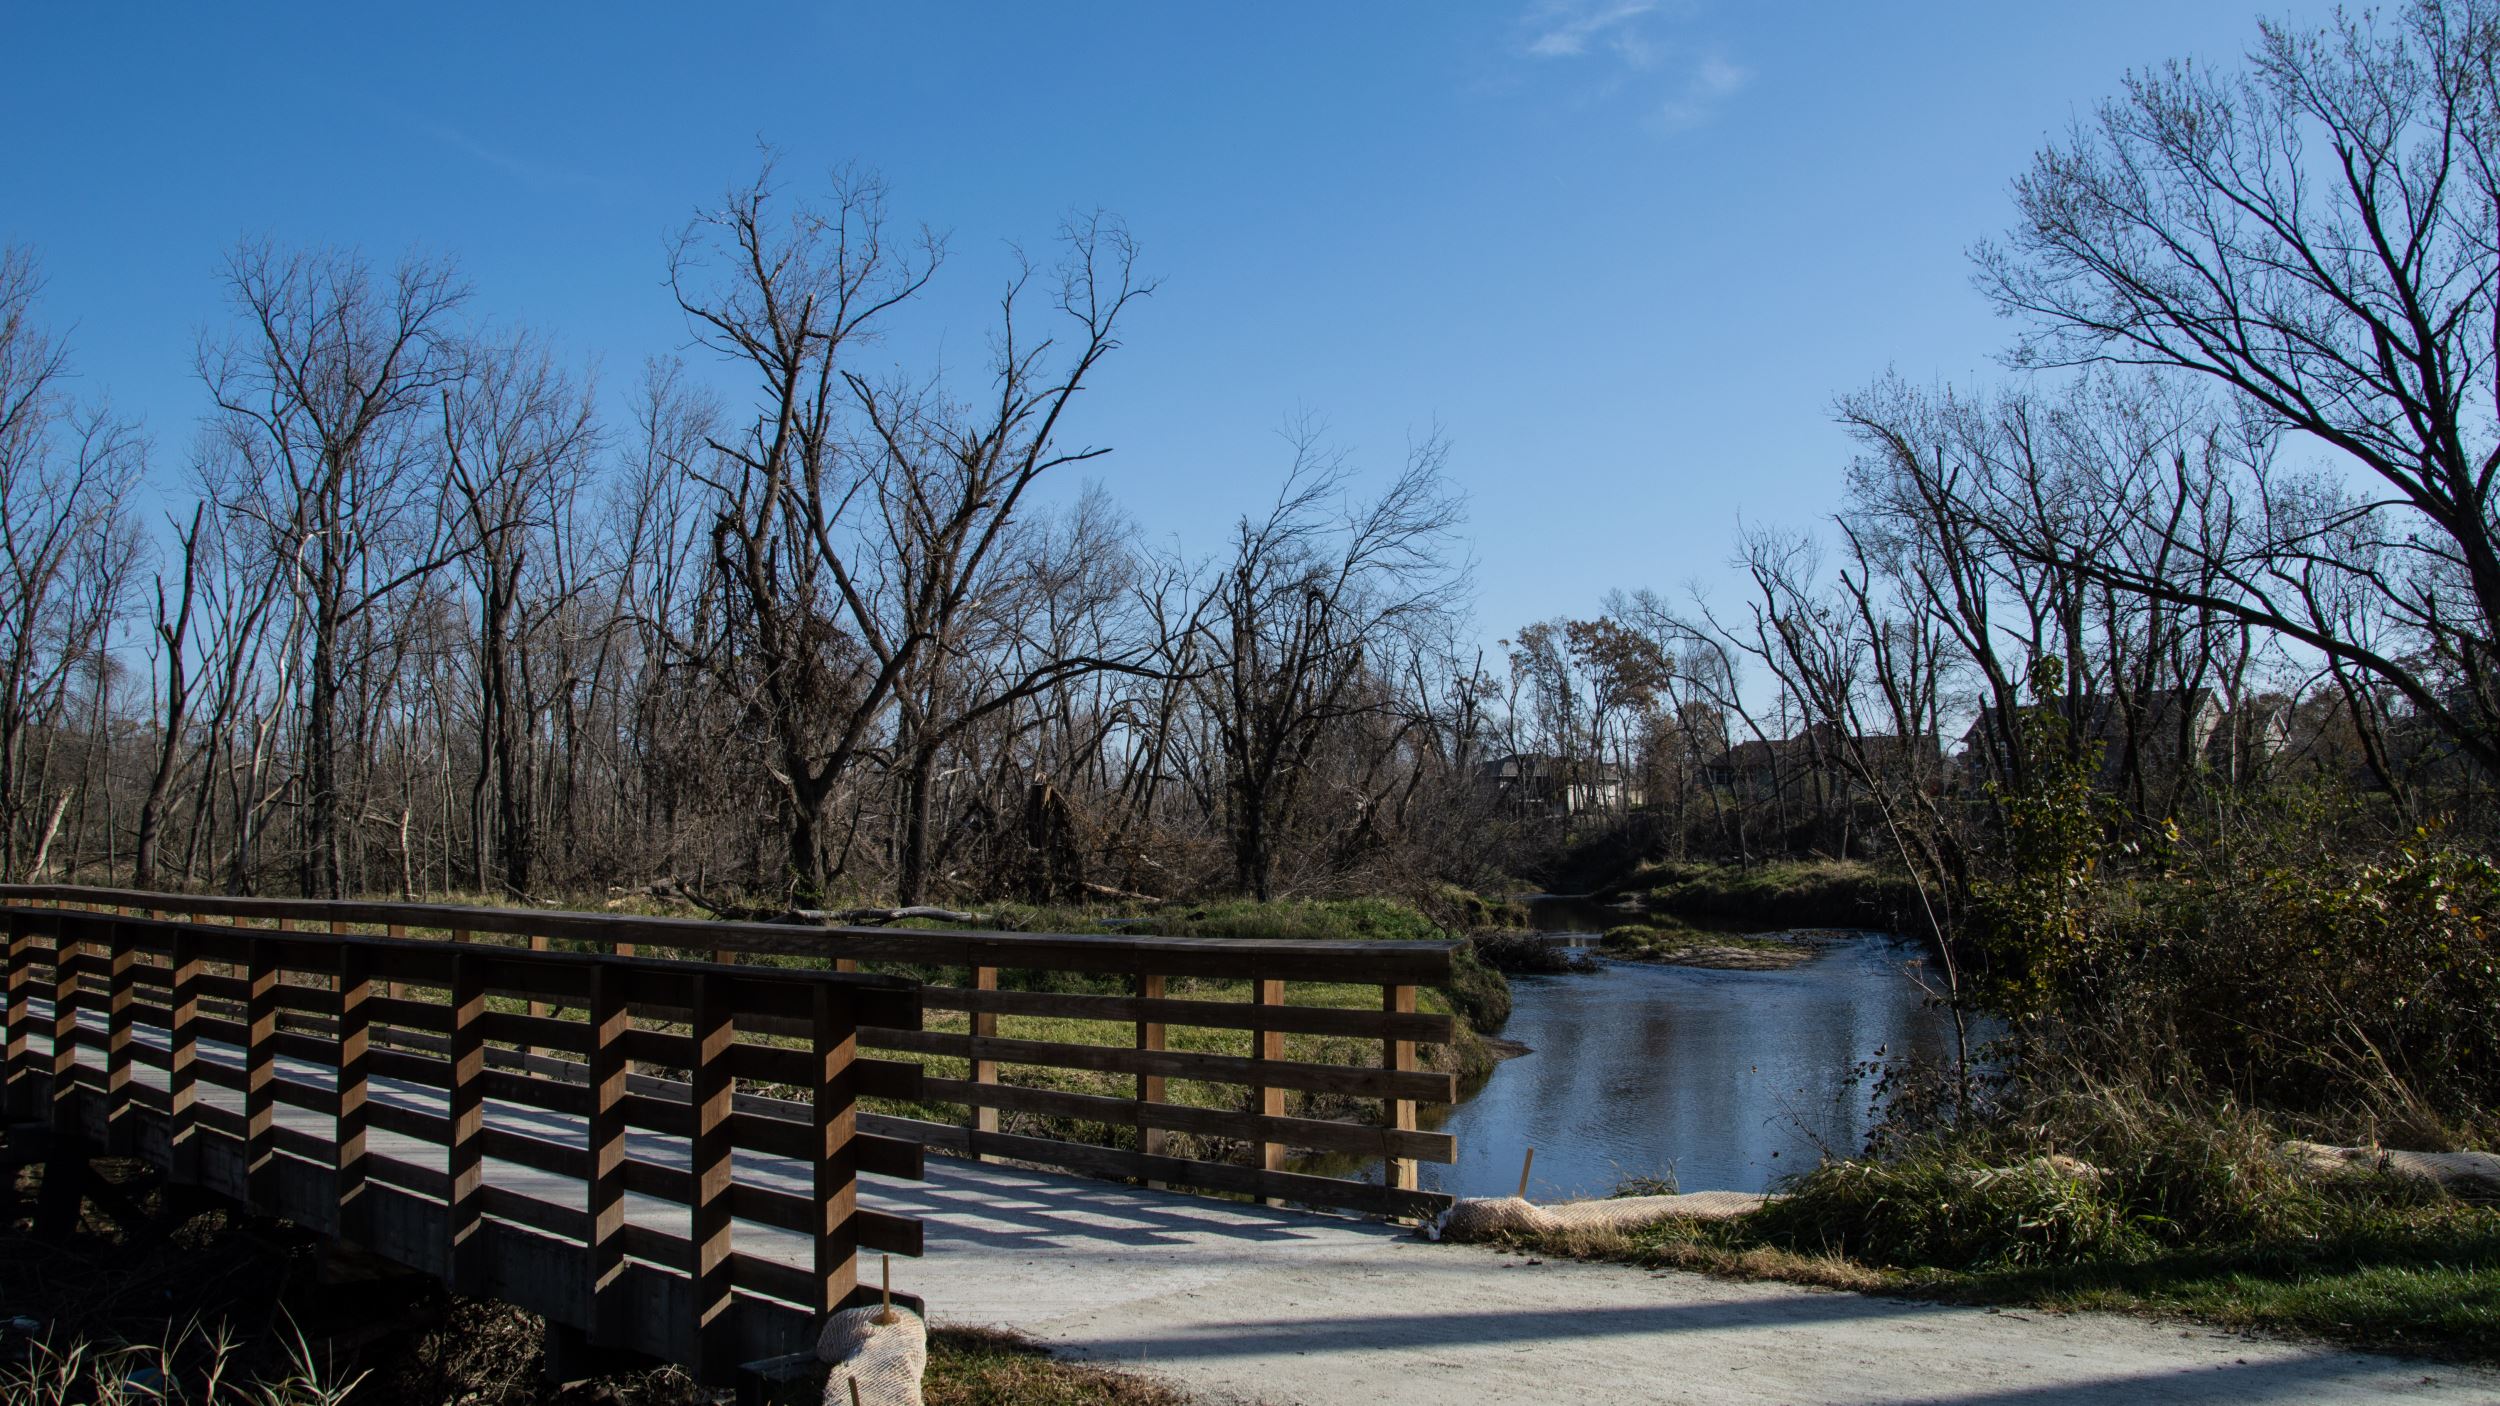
(260, 1073)
(1269, 1044)
(1150, 987)
(608, 1309)
(714, 1031)
(837, 1161)
(537, 1008)
(1399, 1113)
(121, 1116)
(984, 1071)
(182, 1064)
(66, 1036)
(465, 1161)
(17, 1077)
(355, 1223)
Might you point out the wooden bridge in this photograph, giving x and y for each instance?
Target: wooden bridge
(652, 1131)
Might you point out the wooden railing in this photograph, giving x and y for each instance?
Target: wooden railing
(1279, 1067)
(345, 1082)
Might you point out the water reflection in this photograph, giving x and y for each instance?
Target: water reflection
(1727, 1079)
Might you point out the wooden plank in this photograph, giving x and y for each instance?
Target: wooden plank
(67, 1035)
(835, 1165)
(355, 1000)
(464, 1153)
(1365, 963)
(182, 1059)
(17, 1076)
(1359, 1082)
(1399, 1113)
(260, 1073)
(1312, 1134)
(120, 1042)
(1150, 1087)
(608, 1312)
(1268, 1099)
(712, 1087)
(1213, 1015)
(984, 1071)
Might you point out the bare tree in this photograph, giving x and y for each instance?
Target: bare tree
(2312, 237)
(66, 550)
(1311, 591)
(323, 395)
(517, 436)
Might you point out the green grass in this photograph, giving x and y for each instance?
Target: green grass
(1786, 893)
(1640, 942)
(2369, 1261)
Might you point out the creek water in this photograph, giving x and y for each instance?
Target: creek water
(1724, 1080)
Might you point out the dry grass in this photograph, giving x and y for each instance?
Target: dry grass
(993, 1367)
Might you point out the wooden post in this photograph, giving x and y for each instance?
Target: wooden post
(608, 1312)
(1398, 1056)
(837, 1161)
(355, 1223)
(984, 1071)
(121, 992)
(1269, 1099)
(1150, 987)
(465, 1158)
(537, 1008)
(708, 1262)
(17, 1099)
(66, 1036)
(182, 1073)
(260, 1073)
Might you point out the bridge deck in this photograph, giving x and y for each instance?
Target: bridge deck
(1281, 1306)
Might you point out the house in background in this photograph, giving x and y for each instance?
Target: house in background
(1533, 783)
(1761, 769)
(2158, 734)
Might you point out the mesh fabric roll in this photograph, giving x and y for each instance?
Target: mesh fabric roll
(885, 1358)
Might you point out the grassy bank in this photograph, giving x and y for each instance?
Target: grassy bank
(1828, 893)
(1677, 945)
(2130, 1209)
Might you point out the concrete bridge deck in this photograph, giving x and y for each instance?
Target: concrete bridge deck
(1248, 1304)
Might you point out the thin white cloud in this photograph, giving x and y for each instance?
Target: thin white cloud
(1565, 29)
(1623, 49)
(1710, 84)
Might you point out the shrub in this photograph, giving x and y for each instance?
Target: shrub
(1631, 937)
(1941, 1211)
(1523, 954)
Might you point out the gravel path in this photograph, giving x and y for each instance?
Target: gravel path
(1248, 1305)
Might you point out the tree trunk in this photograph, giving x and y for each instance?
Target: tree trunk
(911, 871)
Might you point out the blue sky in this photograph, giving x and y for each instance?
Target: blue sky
(1622, 254)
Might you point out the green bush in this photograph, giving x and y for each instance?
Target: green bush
(1479, 994)
(1631, 937)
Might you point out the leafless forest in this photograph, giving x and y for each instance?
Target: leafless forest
(407, 611)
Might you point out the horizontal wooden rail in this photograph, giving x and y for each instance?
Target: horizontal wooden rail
(247, 1059)
(1256, 1098)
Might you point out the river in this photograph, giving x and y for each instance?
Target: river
(1723, 1080)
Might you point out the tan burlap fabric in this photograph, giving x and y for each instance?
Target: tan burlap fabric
(1493, 1218)
(2474, 1175)
(886, 1358)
